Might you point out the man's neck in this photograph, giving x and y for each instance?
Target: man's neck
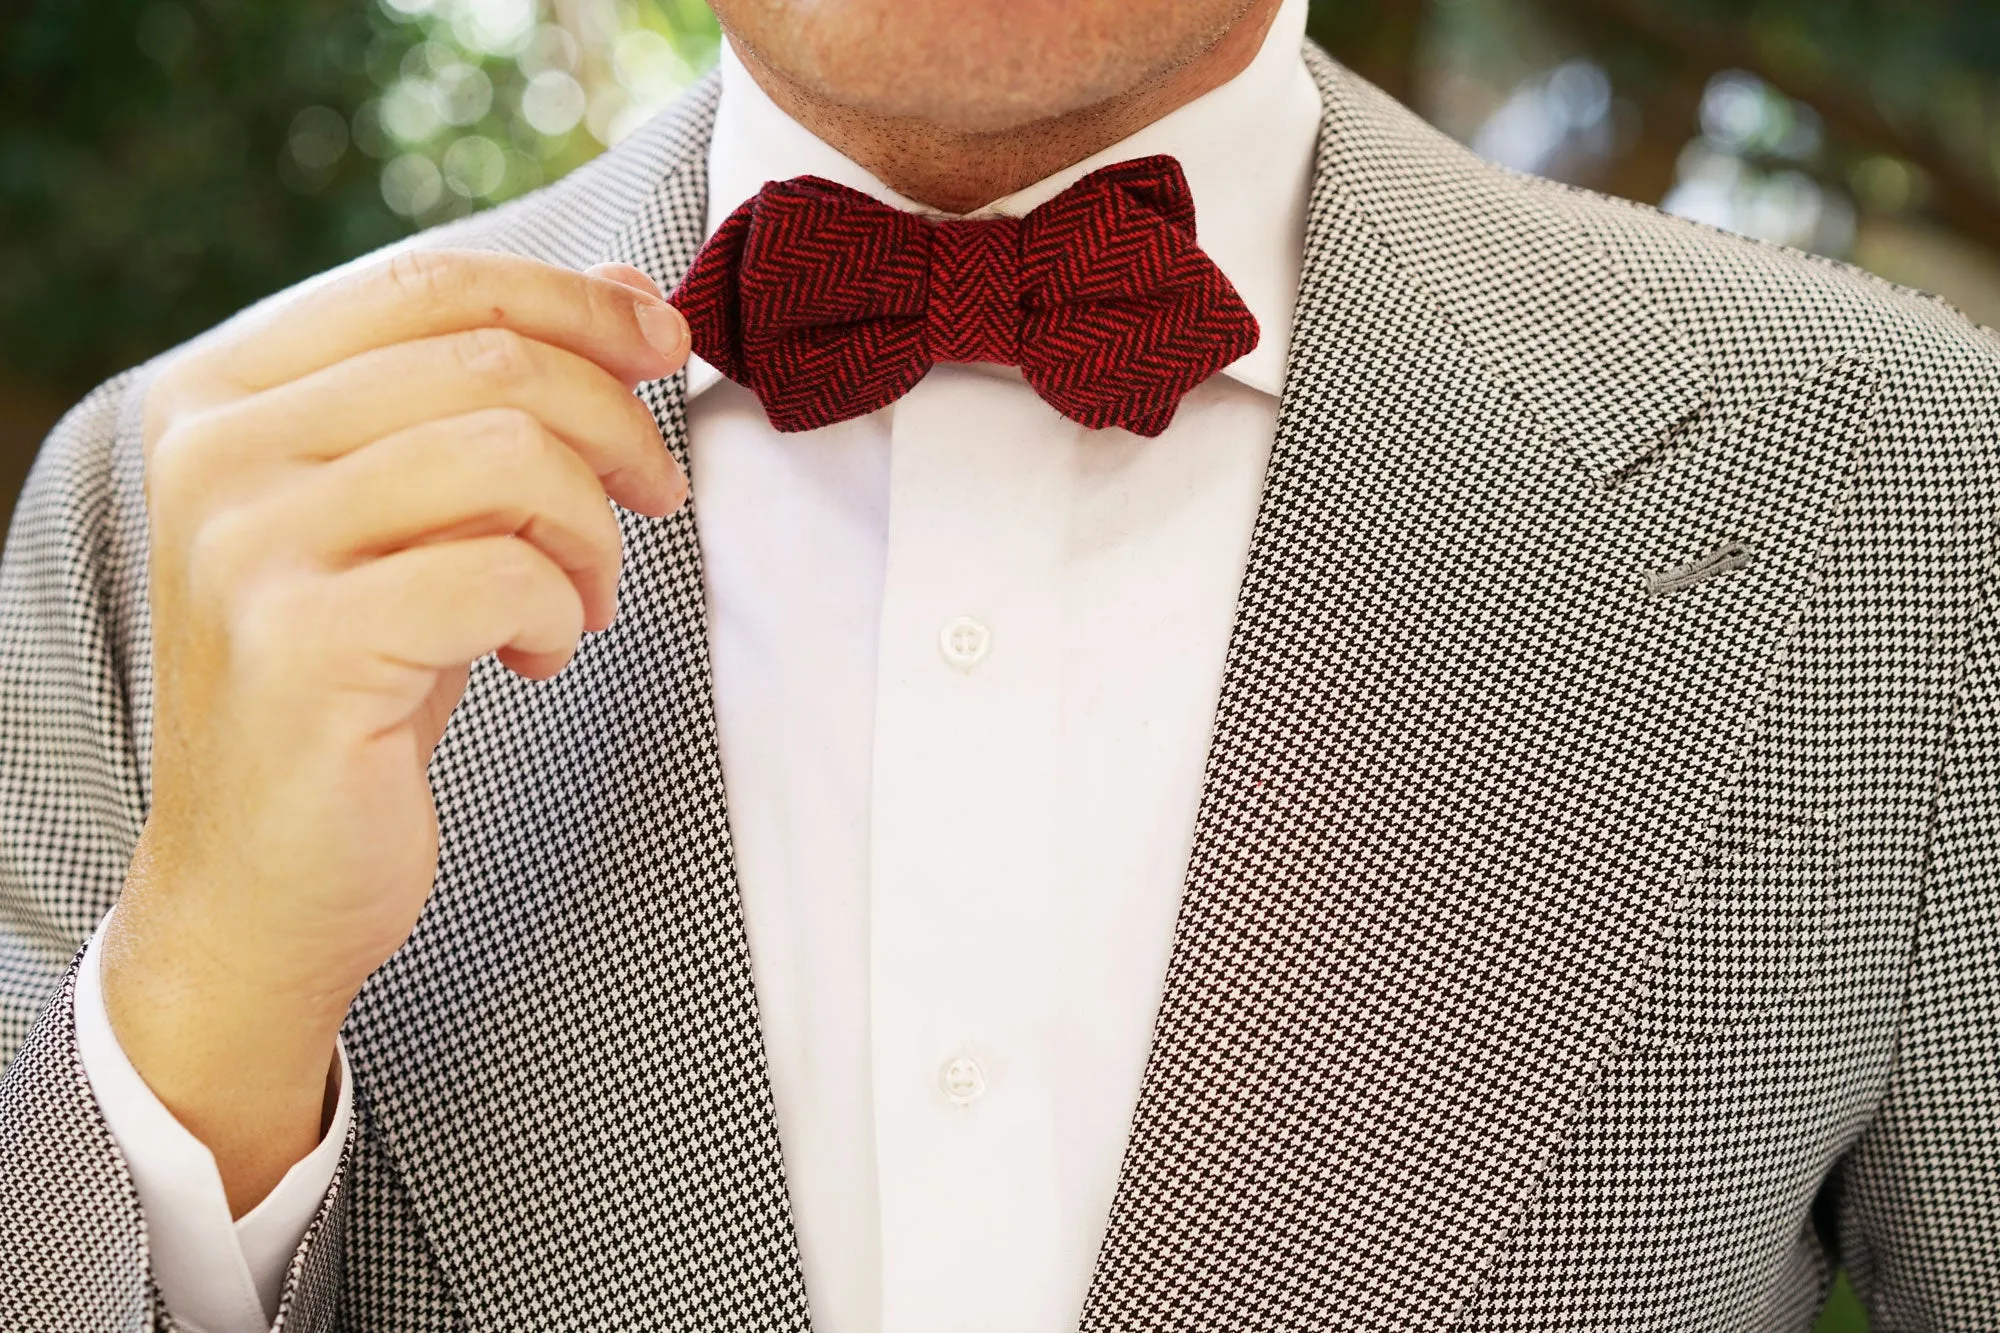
(956, 172)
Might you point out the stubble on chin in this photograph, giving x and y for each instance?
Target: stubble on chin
(974, 68)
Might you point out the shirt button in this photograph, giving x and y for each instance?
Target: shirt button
(964, 642)
(963, 1081)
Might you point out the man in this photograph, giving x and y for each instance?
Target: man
(1416, 749)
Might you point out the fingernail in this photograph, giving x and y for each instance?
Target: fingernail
(663, 327)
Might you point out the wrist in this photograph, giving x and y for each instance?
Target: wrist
(243, 1065)
(179, 939)
(162, 995)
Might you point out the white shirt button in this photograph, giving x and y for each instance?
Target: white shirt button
(963, 1081)
(964, 642)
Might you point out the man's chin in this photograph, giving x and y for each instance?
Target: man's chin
(970, 72)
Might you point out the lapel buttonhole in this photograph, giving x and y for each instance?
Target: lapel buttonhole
(1722, 559)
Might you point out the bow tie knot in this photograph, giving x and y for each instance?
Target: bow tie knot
(828, 305)
(973, 312)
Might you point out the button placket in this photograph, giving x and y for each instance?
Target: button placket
(961, 851)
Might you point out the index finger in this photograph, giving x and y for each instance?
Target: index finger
(423, 293)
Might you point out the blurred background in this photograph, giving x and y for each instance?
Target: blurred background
(165, 162)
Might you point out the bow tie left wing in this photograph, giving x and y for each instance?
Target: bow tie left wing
(812, 295)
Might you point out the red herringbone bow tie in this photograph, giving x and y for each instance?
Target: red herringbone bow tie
(828, 305)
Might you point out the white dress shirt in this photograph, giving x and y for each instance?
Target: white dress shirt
(966, 659)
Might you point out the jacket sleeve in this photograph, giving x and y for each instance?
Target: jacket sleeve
(1919, 1197)
(75, 711)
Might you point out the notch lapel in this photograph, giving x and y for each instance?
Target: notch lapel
(1464, 761)
(564, 1063)
(1543, 309)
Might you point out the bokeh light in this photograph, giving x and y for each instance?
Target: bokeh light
(1747, 170)
(498, 96)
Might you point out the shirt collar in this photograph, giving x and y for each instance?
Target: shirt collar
(1246, 148)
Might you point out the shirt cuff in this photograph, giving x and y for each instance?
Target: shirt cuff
(215, 1275)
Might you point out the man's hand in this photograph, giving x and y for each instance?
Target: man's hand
(351, 499)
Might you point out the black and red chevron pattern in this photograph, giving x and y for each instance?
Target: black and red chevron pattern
(828, 305)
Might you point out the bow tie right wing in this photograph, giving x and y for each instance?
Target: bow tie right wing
(1123, 313)
(812, 296)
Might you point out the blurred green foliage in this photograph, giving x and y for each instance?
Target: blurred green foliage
(165, 162)
(1843, 1313)
(143, 182)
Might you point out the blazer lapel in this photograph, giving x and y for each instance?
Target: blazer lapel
(564, 1063)
(1466, 753)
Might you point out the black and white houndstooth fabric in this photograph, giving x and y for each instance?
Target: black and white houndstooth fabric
(1594, 917)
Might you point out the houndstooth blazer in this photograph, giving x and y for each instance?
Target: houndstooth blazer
(1594, 915)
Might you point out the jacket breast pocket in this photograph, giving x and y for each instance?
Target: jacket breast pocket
(1747, 930)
